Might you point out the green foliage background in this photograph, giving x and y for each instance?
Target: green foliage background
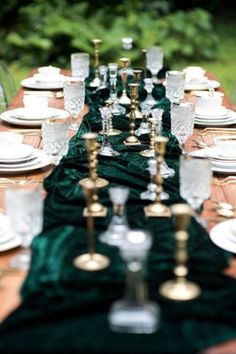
(48, 31)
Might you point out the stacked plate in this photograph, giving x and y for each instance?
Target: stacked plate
(219, 163)
(224, 236)
(201, 85)
(26, 117)
(7, 238)
(21, 157)
(223, 117)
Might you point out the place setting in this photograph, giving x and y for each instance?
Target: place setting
(18, 157)
(34, 112)
(209, 110)
(47, 77)
(195, 79)
(222, 153)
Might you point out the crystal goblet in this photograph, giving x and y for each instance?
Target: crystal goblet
(154, 61)
(74, 97)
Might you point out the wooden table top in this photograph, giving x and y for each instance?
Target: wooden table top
(223, 189)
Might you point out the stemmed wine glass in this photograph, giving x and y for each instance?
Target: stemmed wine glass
(106, 148)
(195, 182)
(117, 109)
(154, 61)
(148, 85)
(74, 97)
(24, 208)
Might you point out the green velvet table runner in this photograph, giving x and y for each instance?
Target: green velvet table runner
(64, 310)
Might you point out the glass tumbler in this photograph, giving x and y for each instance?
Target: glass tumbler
(175, 82)
(182, 120)
(80, 65)
(24, 208)
(74, 97)
(55, 137)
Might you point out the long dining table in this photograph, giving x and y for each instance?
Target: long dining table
(56, 308)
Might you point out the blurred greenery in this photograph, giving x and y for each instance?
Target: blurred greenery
(45, 33)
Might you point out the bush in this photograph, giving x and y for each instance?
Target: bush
(47, 32)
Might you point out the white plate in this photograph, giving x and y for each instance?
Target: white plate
(11, 243)
(34, 160)
(4, 226)
(221, 114)
(31, 83)
(222, 236)
(219, 122)
(24, 113)
(17, 161)
(222, 167)
(42, 160)
(11, 138)
(213, 152)
(202, 86)
(7, 117)
(14, 152)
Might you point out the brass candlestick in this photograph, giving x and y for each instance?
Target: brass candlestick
(151, 151)
(96, 81)
(157, 209)
(137, 76)
(132, 138)
(92, 149)
(111, 131)
(144, 51)
(180, 288)
(91, 261)
(124, 99)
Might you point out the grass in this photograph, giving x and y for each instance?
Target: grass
(224, 66)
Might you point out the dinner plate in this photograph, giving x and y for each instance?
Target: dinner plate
(7, 117)
(18, 161)
(34, 160)
(24, 113)
(202, 86)
(222, 235)
(213, 152)
(211, 115)
(4, 226)
(218, 122)
(222, 167)
(42, 160)
(12, 242)
(14, 152)
(31, 83)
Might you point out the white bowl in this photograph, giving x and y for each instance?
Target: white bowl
(49, 70)
(210, 102)
(195, 74)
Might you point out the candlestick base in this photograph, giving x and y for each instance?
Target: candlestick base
(147, 153)
(97, 210)
(91, 262)
(132, 140)
(99, 183)
(157, 210)
(112, 132)
(180, 290)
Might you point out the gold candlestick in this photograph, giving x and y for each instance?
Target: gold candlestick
(111, 130)
(151, 151)
(124, 99)
(92, 149)
(96, 81)
(157, 209)
(144, 51)
(137, 76)
(91, 261)
(132, 138)
(180, 288)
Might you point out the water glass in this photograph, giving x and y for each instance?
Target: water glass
(182, 120)
(55, 138)
(195, 179)
(80, 65)
(175, 82)
(24, 208)
(154, 61)
(74, 97)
